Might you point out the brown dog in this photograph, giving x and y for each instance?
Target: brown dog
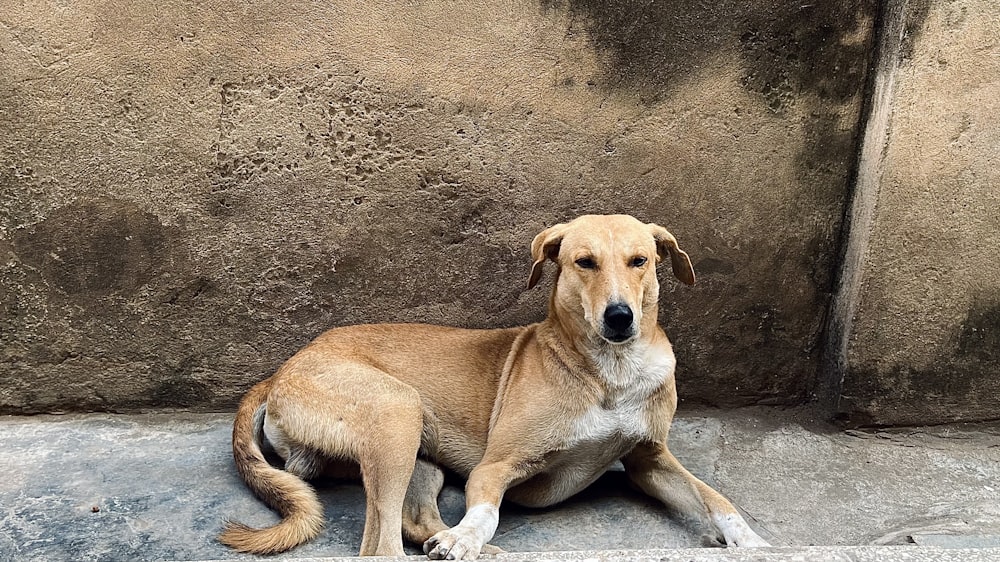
(534, 414)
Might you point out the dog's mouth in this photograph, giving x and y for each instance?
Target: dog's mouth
(617, 338)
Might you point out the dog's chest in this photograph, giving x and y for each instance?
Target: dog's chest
(603, 432)
(621, 416)
(599, 425)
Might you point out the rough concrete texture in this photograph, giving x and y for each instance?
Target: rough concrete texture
(925, 342)
(190, 191)
(159, 486)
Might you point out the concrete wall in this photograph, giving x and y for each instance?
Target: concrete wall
(191, 191)
(923, 344)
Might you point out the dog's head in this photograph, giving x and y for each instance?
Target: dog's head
(607, 271)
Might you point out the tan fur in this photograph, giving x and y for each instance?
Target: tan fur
(532, 414)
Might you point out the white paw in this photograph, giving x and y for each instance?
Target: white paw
(748, 539)
(457, 543)
(737, 532)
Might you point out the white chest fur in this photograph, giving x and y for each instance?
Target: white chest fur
(630, 377)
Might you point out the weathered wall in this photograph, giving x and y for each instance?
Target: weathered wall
(925, 342)
(190, 191)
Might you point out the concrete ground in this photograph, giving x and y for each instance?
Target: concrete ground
(157, 487)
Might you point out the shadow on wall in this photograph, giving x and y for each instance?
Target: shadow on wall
(819, 48)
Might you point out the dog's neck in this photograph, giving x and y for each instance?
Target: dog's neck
(620, 365)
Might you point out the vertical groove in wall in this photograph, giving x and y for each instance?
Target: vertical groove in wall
(860, 216)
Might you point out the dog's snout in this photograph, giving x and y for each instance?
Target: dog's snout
(618, 320)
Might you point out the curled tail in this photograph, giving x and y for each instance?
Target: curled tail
(296, 502)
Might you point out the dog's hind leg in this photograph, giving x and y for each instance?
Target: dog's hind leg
(386, 467)
(421, 517)
(353, 411)
(387, 456)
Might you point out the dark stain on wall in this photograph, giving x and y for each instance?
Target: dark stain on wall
(819, 48)
(979, 339)
(192, 294)
(814, 47)
(960, 385)
(643, 39)
(98, 246)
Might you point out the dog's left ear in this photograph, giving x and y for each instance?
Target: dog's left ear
(545, 246)
(679, 260)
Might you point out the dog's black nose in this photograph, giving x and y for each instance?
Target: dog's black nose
(618, 319)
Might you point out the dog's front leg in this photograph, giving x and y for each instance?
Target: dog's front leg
(483, 494)
(655, 470)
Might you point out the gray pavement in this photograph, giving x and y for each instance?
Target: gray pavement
(158, 486)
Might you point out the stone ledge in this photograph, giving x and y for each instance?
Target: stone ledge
(777, 554)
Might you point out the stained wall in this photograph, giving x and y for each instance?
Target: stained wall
(190, 191)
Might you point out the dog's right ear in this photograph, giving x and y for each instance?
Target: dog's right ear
(545, 246)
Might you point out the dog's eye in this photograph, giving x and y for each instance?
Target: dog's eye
(638, 261)
(586, 263)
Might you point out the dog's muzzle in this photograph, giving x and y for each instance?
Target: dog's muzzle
(618, 323)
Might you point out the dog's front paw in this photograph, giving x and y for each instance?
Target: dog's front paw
(457, 543)
(749, 539)
(736, 531)
(745, 537)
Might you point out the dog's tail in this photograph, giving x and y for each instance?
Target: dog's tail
(296, 501)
